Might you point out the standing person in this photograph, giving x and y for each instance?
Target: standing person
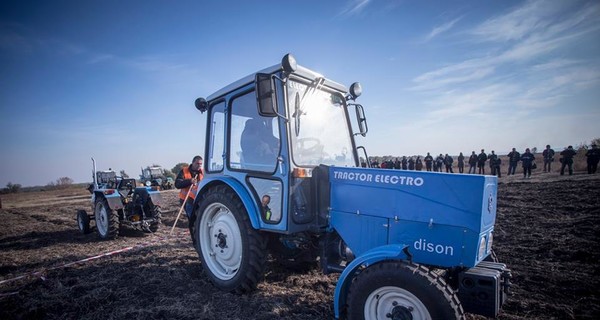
(187, 181)
(513, 159)
(461, 163)
(593, 157)
(428, 162)
(440, 162)
(390, 164)
(404, 163)
(397, 164)
(527, 159)
(374, 163)
(497, 166)
(548, 155)
(481, 159)
(472, 162)
(492, 157)
(411, 163)
(567, 160)
(419, 164)
(448, 162)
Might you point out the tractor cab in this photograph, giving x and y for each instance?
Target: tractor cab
(126, 187)
(106, 179)
(267, 132)
(152, 176)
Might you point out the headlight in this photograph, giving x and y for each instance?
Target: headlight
(355, 90)
(148, 183)
(481, 248)
(490, 241)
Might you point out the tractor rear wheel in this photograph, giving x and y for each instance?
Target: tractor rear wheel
(156, 214)
(400, 290)
(83, 221)
(107, 220)
(233, 253)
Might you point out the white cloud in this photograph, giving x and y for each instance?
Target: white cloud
(442, 28)
(101, 57)
(430, 81)
(14, 40)
(516, 24)
(519, 69)
(354, 7)
(554, 64)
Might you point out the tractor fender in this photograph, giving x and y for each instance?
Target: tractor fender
(154, 194)
(387, 252)
(155, 197)
(247, 199)
(113, 200)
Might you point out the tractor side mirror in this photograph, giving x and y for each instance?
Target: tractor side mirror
(265, 95)
(363, 128)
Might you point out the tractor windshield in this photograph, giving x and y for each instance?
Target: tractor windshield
(155, 172)
(319, 129)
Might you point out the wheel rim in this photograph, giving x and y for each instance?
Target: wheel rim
(394, 303)
(101, 219)
(220, 241)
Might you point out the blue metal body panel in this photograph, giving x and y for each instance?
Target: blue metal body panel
(386, 252)
(114, 201)
(154, 196)
(441, 217)
(245, 195)
(364, 231)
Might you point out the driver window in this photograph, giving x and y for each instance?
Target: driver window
(269, 193)
(217, 134)
(255, 139)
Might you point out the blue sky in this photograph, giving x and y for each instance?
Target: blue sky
(116, 80)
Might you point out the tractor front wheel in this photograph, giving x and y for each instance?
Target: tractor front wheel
(399, 290)
(83, 221)
(107, 220)
(232, 252)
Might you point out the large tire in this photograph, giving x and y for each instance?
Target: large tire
(233, 253)
(107, 220)
(83, 221)
(156, 214)
(400, 290)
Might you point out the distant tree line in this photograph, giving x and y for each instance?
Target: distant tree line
(64, 182)
(11, 188)
(61, 182)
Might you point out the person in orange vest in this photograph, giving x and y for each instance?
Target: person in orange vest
(187, 181)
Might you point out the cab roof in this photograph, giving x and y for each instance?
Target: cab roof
(300, 71)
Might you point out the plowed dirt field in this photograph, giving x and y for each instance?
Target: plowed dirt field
(547, 231)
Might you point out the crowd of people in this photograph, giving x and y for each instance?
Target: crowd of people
(477, 163)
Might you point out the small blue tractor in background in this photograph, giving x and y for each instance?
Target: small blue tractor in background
(282, 176)
(117, 201)
(155, 176)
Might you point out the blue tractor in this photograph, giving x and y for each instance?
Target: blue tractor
(282, 176)
(118, 201)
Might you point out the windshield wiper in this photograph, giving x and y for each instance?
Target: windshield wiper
(317, 84)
